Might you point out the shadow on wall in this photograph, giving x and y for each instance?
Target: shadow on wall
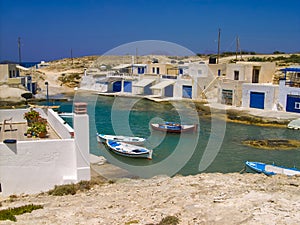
(11, 144)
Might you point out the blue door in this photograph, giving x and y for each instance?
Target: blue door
(257, 100)
(117, 86)
(293, 103)
(141, 70)
(169, 91)
(148, 90)
(127, 86)
(187, 91)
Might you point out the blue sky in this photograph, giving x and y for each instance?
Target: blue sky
(50, 29)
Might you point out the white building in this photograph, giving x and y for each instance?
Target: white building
(233, 76)
(260, 96)
(289, 90)
(38, 165)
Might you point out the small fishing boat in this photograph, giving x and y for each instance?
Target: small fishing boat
(269, 169)
(172, 127)
(126, 139)
(129, 150)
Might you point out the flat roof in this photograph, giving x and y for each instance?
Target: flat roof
(163, 84)
(143, 82)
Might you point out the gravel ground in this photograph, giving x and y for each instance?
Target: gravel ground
(201, 199)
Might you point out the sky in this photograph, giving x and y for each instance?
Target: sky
(53, 29)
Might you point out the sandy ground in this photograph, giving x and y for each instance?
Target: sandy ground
(202, 199)
(11, 94)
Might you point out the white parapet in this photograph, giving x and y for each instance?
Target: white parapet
(82, 141)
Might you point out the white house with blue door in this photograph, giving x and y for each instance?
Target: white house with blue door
(260, 96)
(289, 90)
(193, 82)
(186, 81)
(241, 73)
(10, 74)
(128, 74)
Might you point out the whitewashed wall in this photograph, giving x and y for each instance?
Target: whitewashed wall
(58, 124)
(284, 91)
(271, 94)
(38, 165)
(35, 166)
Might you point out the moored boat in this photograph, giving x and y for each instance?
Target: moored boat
(171, 127)
(129, 150)
(126, 139)
(269, 169)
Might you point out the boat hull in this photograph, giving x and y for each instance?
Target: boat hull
(174, 129)
(271, 169)
(128, 150)
(129, 140)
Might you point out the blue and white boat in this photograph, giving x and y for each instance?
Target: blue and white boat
(126, 139)
(172, 127)
(129, 150)
(269, 169)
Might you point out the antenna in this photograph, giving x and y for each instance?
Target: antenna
(219, 36)
(19, 47)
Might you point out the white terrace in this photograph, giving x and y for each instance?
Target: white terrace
(32, 165)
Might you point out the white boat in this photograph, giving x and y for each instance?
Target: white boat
(126, 139)
(294, 124)
(129, 150)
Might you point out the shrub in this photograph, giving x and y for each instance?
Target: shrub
(66, 189)
(71, 189)
(84, 185)
(169, 220)
(9, 214)
(32, 115)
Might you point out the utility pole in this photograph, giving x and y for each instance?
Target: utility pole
(219, 36)
(237, 47)
(240, 50)
(136, 56)
(19, 47)
(72, 55)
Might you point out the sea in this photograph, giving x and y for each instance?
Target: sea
(216, 146)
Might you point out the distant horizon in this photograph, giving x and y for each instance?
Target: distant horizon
(50, 30)
(211, 54)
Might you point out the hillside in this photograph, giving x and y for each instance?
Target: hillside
(201, 199)
(64, 75)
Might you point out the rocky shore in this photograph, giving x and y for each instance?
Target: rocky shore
(201, 199)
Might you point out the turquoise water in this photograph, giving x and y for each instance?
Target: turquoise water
(108, 112)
